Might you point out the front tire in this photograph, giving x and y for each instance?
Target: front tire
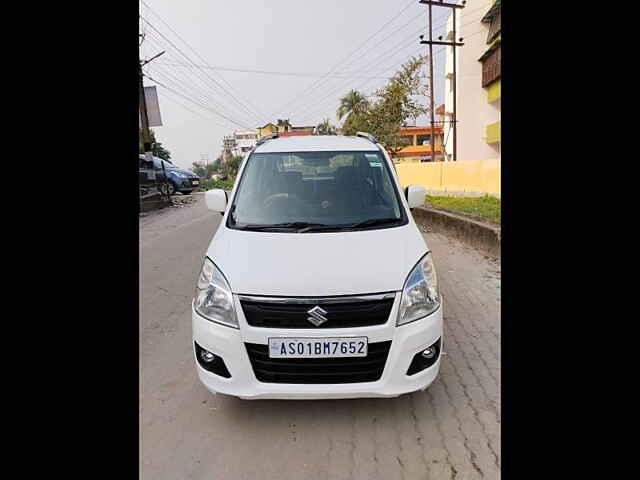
(168, 189)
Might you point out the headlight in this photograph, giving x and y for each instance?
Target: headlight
(213, 299)
(420, 296)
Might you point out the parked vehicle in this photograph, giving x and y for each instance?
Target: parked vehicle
(318, 283)
(178, 179)
(146, 176)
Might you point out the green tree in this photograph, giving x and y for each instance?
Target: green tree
(325, 128)
(211, 169)
(353, 103)
(232, 165)
(207, 170)
(395, 104)
(199, 169)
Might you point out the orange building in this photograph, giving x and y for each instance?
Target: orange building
(415, 143)
(300, 133)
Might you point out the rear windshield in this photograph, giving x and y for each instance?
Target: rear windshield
(308, 191)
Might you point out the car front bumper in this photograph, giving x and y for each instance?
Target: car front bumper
(407, 341)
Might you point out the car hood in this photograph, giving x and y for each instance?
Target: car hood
(183, 171)
(317, 264)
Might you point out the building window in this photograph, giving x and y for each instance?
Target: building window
(494, 28)
(491, 66)
(405, 141)
(424, 139)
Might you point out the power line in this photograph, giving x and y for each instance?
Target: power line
(313, 111)
(201, 70)
(366, 67)
(386, 55)
(317, 83)
(196, 93)
(195, 112)
(192, 81)
(405, 43)
(204, 107)
(470, 21)
(255, 110)
(270, 72)
(410, 37)
(322, 103)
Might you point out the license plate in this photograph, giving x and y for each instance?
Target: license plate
(195, 182)
(323, 347)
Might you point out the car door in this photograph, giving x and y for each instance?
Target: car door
(157, 165)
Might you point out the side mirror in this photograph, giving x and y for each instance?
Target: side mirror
(415, 195)
(216, 200)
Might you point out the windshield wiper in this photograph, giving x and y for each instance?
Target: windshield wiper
(366, 223)
(303, 227)
(287, 225)
(318, 227)
(374, 222)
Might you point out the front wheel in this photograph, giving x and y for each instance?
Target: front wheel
(167, 188)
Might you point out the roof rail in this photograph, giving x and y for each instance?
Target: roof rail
(271, 136)
(368, 136)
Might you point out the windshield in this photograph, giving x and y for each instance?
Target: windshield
(169, 166)
(312, 191)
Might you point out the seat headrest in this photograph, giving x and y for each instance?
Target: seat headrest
(345, 174)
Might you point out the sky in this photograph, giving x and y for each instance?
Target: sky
(236, 65)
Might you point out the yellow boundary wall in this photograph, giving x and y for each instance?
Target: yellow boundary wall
(474, 176)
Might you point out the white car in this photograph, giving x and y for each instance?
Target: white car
(318, 283)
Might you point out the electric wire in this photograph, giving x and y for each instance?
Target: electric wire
(250, 107)
(412, 37)
(193, 83)
(189, 60)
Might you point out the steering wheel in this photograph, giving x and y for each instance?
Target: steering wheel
(286, 197)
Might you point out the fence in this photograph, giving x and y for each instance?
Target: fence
(474, 177)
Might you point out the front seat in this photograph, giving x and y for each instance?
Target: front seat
(292, 182)
(349, 190)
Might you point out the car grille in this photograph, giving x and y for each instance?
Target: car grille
(318, 370)
(341, 313)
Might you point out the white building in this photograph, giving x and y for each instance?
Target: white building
(478, 81)
(245, 141)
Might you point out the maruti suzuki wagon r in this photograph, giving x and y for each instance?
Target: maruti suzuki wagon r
(317, 284)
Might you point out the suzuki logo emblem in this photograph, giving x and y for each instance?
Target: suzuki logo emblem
(317, 317)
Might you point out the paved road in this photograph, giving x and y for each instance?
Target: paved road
(450, 431)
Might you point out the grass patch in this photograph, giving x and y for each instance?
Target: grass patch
(483, 208)
(211, 184)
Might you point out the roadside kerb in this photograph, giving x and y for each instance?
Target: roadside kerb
(483, 236)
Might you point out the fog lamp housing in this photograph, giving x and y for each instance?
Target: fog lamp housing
(425, 358)
(207, 356)
(429, 353)
(210, 361)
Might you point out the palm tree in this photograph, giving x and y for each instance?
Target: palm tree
(352, 103)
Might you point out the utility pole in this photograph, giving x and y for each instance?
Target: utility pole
(146, 133)
(204, 158)
(453, 44)
(431, 93)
